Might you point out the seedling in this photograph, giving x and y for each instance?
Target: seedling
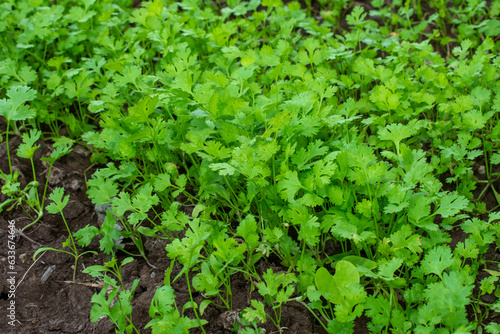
(29, 195)
(59, 202)
(117, 304)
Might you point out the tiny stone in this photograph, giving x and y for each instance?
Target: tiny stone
(47, 273)
(481, 170)
(101, 211)
(56, 176)
(81, 151)
(23, 257)
(153, 274)
(74, 184)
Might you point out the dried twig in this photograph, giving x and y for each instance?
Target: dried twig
(91, 285)
(22, 278)
(20, 232)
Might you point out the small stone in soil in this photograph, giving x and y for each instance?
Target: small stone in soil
(81, 151)
(23, 257)
(74, 184)
(47, 273)
(56, 176)
(228, 319)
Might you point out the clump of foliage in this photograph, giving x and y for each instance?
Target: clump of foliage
(349, 153)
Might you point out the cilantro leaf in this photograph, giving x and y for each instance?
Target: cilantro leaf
(101, 189)
(386, 270)
(418, 210)
(451, 204)
(247, 229)
(255, 313)
(27, 148)
(495, 158)
(289, 185)
(14, 109)
(223, 168)
(437, 260)
(58, 202)
(162, 182)
(109, 233)
(356, 17)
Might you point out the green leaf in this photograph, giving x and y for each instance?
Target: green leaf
(101, 306)
(109, 233)
(271, 3)
(144, 199)
(101, 189)
(166, 318)
(386, 269)
(418, 210)
(206, 281)
(480, 96)
(451, 204)
(28, 147)
(356, 17)
(129, 74)
(162, 182)
(289, 185)
(495, 158)
(396, 132)
(336, 327)
(122, 203)
(466, 249)
(270, 288)
(342, 289)
(223, 168)
(475, 120)
(379, 310)
(309, 231)
(163, 302)
(492, 328)
(360, 261)
(58, 202)
(27, 74)
(57, 153)
(303, 156)
(142, 110)
(14, 108)
(43, 249)
(335, 286)
(256, 313)
(437, 260)
(406, 238)
(247, 229)
(86, 235)
(447, 300)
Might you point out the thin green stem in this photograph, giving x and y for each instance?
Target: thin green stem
(40, 215)
(192, 301)
(313, 313)
(7, 143)
(34, 179)
(46, 186)
(73, 248)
